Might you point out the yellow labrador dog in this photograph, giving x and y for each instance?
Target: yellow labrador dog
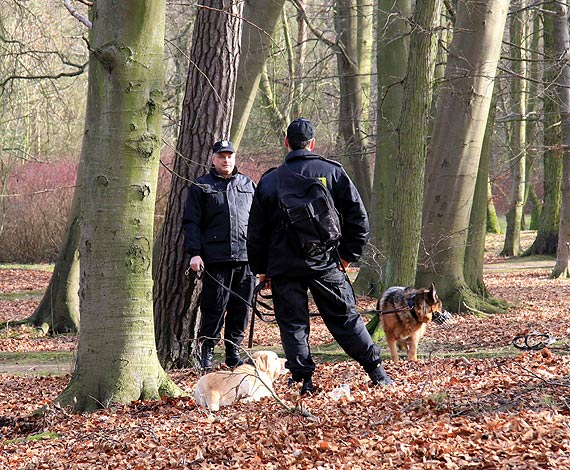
(245, 383)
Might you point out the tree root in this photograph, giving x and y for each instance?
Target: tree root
(464, 300)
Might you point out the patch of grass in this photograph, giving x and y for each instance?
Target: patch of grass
(17, 329)
(35, 437)
(38, 364)
(23, 295)
(437, 399)
(547, 400)
(30, 267)
(35, 357)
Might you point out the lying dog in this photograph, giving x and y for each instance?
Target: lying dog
(405, 312)
(248, 382)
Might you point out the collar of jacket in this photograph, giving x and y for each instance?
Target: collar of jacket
(301, 153)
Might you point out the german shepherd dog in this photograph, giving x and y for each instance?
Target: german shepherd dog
(405, 312)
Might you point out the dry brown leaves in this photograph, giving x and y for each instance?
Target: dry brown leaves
(18, 280)
(510, 410)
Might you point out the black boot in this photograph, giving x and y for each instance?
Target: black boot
(233, 359)
(206, 361)
(379, 376)
(307, 387)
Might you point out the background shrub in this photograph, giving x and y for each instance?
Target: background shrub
(37, 205)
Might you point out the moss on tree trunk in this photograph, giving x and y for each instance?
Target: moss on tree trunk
(116, 358)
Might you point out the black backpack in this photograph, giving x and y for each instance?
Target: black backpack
(308, 208)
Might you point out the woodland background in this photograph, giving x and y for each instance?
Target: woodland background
(473, 401)
(43, 84)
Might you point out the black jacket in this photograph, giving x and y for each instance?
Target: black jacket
(216, 216)
(272, 249)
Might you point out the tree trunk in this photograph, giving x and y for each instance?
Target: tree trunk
(474, 251)
(261, 17)
(403, 243)
(546, 241)
(518, 30)
(478, 222)
(278, 121)
(352, 114)
(562, 41)
(116, 357)
(297, 66)
(453, 161)
(59, 307)
(534, 134)
(206, 117)
(392, 58)
(536, 207)
(365, 48)
(493, 225)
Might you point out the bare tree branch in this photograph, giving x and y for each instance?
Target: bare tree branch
(76, 14)
(80, 68)
(321, 35)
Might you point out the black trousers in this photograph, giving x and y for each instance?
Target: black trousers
(218, 304)
(335, 300)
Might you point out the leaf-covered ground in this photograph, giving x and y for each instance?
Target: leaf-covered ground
(473, 401)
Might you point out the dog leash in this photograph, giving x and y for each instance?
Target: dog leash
(533, 341)
(260, 300)
(257, 296)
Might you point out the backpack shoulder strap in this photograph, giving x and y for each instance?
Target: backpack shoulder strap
(290, 182)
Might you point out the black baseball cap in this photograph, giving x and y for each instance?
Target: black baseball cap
(223, 146)
(300, 129)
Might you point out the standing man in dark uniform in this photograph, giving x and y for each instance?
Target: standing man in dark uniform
(215, 224)
(276, 256)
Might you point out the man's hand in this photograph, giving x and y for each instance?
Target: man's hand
(267, 280)
(196, 263)
(343, 265)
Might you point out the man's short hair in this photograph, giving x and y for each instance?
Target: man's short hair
(300, 133)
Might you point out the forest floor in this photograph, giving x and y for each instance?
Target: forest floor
(473, 400)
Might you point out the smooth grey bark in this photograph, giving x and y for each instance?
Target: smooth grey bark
(261, 17)
(546, 241)
(392, 58)
(453, 161)
(493, 225)
(296, 61)
(206, 117)
(116, 357)
(518, 39)
(405, 230)
(353, 98)
(534, 132)
(279, 122)
(478, 222)
(562, 43)
(536, 208)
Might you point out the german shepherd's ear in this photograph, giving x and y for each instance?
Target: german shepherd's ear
(432, 293)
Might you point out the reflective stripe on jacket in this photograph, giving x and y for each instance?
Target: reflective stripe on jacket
(272, 249)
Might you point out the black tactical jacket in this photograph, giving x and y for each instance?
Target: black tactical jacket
(216, 216)
(272, 249)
